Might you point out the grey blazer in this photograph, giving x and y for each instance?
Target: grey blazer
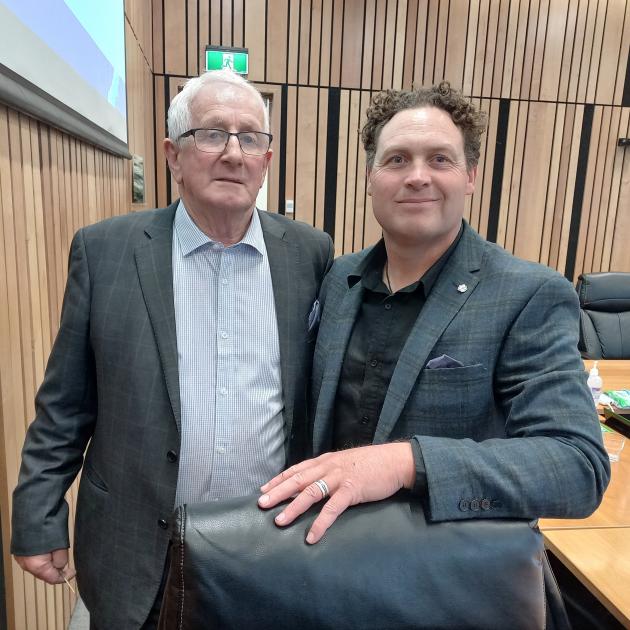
(112, 381)
(514, 327)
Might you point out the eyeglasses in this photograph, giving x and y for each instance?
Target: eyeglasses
(215, 140)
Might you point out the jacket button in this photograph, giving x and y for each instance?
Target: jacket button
(171, 456)
(163, 524)
(475, 504)
(486, 504)
(464, 505)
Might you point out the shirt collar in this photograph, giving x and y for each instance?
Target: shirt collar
(192, 238)
(370, 271)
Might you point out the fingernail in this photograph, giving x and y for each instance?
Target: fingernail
(263, 500)
(281, 518)
(310, 539)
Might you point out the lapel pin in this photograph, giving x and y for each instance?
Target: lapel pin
(462, 288)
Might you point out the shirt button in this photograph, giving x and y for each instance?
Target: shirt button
(224, 281)
(221, 450)
(475, 504)
(464, 505)
(223, 391)
(388, 306)
(365, 420)
(162, 523)
(486, 504)
(224, 335)
(171, 456)
(373, 362)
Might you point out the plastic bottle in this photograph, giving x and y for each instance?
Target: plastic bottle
(594, 383)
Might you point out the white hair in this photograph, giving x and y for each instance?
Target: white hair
(179, 116)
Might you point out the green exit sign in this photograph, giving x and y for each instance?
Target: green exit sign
(235, 59)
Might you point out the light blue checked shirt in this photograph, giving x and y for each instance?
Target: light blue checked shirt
(229, 364)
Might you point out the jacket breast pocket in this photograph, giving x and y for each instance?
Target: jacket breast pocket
(449, 402)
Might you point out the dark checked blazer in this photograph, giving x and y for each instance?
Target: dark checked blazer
(512, 433)
(112, 381)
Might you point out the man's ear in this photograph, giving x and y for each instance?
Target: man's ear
(267, 157)
(472, 176)
(172, 152)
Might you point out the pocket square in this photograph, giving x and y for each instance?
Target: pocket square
(443, 361)
(314, 316)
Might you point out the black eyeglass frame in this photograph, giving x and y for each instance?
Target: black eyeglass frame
(191, 132)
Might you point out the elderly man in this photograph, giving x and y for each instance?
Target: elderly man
(443, 364)
(181, 362)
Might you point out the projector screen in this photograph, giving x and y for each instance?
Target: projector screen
(63, 61)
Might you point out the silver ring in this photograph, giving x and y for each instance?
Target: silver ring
(323, 486)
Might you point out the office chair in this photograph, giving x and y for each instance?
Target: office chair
(604, 315)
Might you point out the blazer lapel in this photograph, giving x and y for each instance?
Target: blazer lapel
(283, 260)
(442, 305)
(340, 330)
(155, 270)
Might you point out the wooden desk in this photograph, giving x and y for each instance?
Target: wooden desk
(615, 374)
(600, 559)
(614, 510)
(596, 549)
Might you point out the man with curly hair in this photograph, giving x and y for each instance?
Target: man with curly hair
(443, 364)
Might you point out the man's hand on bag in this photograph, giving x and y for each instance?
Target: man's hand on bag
(51, 567)
(357, 475)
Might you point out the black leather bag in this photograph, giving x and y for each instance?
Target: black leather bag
(380, 566)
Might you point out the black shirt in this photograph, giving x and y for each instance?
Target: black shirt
(378, 336)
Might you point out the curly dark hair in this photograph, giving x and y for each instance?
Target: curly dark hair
(385, 105)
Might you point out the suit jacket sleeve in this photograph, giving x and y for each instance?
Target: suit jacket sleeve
(551, 462)
(65, 408)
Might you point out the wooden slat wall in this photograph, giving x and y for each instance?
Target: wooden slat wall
(50, 185)
(552, 75)
(553, 185)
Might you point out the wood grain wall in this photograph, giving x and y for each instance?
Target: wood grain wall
(553, 185)
(50, 185)
(552, 75)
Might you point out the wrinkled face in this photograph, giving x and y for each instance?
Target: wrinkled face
(419, 179)
(227, 181)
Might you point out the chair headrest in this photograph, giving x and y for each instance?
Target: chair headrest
(608, 291)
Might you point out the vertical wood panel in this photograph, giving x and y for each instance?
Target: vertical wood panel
(158, 36)
(238, 20)
(304, 48)
(276, 44)
(420, 42)
(456, 49)
(255, 20)
(192, 41)
(352, 40)
(377, 34)
(399, 44)
(291, 141)
(175, 31)
(622, 57)
(216, 37)
(315, 43)
(204, 33)
(342, 161)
